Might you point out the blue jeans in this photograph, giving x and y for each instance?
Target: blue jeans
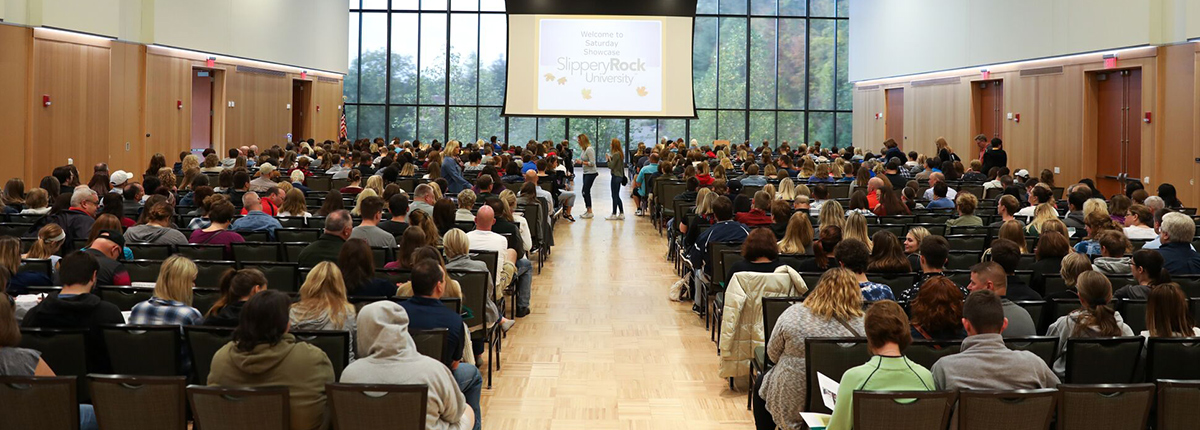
(616, 195)
(470, 381)
(588, 180)
(524, 282)
(87, 418)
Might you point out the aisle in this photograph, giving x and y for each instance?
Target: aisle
(604, 348)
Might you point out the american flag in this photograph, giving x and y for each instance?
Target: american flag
(342, 127)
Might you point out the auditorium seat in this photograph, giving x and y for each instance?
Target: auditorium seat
(374, 406)
(140, 402)
(264, 408)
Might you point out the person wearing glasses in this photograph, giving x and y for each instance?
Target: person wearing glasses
(77, 219)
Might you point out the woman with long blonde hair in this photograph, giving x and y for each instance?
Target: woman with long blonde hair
(833, 309)
(856, 228)
(323, 304)
(831, 214)
(616, 165)
(366, 192)
(375, 182)
(172, 300)
(1044, 212)
(808, 168)
(49, 239)
(787, 190)
(799, 236)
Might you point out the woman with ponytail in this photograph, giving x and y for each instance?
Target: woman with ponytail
(237, 286)
(830, 236)
(1096, 317)
(1147, 269)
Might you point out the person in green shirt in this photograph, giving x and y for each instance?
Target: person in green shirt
(888, 336)
(965, 203)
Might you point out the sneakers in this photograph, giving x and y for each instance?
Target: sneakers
(587, 215)
(507, 324)
(621, 215)
(569, 218)
(613, 217)
(639, 213)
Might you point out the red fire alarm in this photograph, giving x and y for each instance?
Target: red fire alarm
(1110, 61)
(178, 104)
(303, 75)
(210, 62)
(985, 74)
(318, 108)
(46, 100)
(1016, 117)
(1147, 118)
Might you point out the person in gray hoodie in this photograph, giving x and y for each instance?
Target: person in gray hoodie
(1096, 318)
(157, 229)
(1112, 260)
(390, 357)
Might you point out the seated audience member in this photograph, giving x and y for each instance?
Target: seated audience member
(912, 246)
(832, 309)
(1043, 214)
(458, 257)
(887, 255)
(984, 361)
(1097, 222)
(17, 361)
(1178, 256)
(760, 254)
(1147, 269)
(426, 311)
(1096, 318)
(255, 219)
(338, 227)
(1006, 207)
(935, 252)
(888, 370)
(1075, 201)
(990, 276)
(937, 311)
(1007, 254)
(412, 239)
(236, 287)
(758, 215)
(965, 204)
(76, 307)
(939, 200)
(294, 205)
(823, 250)
(423, 200)
(333, 203)
(263, 353)
(854, 255)
(1051, 248)
(389, 356)
(931, 192)
(398, 206)
(781, 213)
(323, 304)
(158, 228)
(799, 236)
(1167, 313)
(220, 213)
(1073, 265)
(77, 219)
(1139, 223)
(466, 202)
(172, 301)
(357, 263)
(1112, 260)
(107, 247)
(371, 210)
(486, 234)
(724, 230)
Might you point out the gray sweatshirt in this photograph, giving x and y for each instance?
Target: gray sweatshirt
(147, 233)
(1064, 327)
(985, 363)
(1112, 265)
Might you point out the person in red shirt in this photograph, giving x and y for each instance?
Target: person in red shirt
(873, 186)
(758, 215)
(272, 199)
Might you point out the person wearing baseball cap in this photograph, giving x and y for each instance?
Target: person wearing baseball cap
(107, 247)
(266, 178)
(119, 179)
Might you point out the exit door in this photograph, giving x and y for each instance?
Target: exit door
(1118, 128)
(989, 108)
(202, 112)
(301, 98)
(894, 120)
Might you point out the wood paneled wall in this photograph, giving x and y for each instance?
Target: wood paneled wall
(117, 103)
(1056, 115)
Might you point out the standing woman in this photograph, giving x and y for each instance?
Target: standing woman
(588, 161)
(616, 164)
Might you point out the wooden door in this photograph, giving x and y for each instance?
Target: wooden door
(202, 111)
(1118, 128)
(895, 115)
(989, 108)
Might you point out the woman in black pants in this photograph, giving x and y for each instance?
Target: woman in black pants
(616, 164)
(588, 161)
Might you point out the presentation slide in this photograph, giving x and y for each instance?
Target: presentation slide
(576, 65)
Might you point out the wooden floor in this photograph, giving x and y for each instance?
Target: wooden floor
(604, 348)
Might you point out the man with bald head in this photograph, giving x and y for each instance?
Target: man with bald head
(873, 186)
(483, 238)
(338, 228)
(255, 219)
(934, 178)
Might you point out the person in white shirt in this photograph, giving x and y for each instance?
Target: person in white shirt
(484, 239)
(934, 178)
(1041, 194)
(1136, 223)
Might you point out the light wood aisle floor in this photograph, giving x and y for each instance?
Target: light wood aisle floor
(604, 348)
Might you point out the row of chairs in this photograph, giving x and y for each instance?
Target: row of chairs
(162, 403)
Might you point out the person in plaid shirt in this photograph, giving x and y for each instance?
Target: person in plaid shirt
(171, 304)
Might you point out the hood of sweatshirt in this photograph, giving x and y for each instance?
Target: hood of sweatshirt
(264, 357)
(383, 332)
(68, 311)
(1112, 264)
(145, 233)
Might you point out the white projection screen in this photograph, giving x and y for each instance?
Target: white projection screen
(597, 59)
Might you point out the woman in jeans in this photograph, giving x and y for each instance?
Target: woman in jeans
(588, 161)
(616, 164)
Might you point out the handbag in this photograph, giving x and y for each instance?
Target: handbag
(624, 180)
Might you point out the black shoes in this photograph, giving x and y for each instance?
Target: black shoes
(522, 312)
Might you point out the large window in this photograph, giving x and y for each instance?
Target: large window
(762, 70)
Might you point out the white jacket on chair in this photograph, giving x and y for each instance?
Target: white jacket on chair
(741, 323)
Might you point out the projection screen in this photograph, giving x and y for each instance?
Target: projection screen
(588, 58)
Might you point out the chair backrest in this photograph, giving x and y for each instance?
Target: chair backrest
(280, 276)
(1053, 283)
(772, 308)
(927, 352)
(963, 260)
(1036, 309)
(490, 258)
(201, 251)
(431, 343)
(475, 288)
(382, 255)
(966, 242)
(363, 406)
(255, 236)
(256, 251)
(203, 299)
(125, 297)
(149, 251)
(395, 276)
(1004, 410)
(728, 258)
(1173, 358)
(43, 403)
(1133, 312)
(1105, 360)
(902, 410)
(262, 408)
(898, 281)
(1117, 406)
(209, 272)
(64, 350)
(335, 344)
(1177, 402)
(143, 270)
(1190, 284)
(830, 357)
(292, 250)
(291, 221)
(139, 402)
(1045, 347)
(716, 249)
(298, 234)
(149, 350)
(36, 265)
(203, 343)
